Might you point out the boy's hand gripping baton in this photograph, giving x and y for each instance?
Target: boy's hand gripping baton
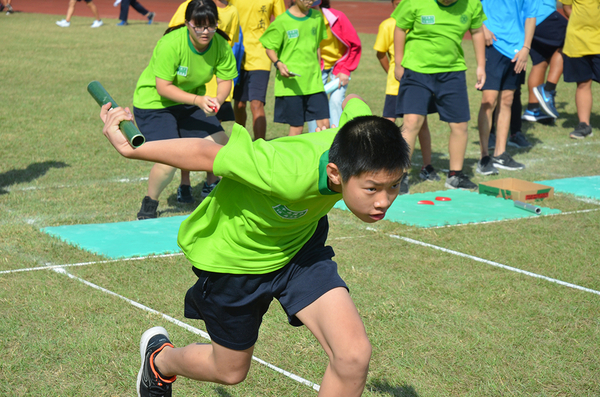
(102, 97)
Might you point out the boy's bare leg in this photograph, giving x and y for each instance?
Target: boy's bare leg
(160, 176)
(335, 322)
(537, 75)
(94, 10)
(239, 111)
(323, 124)
(556, 67)
(259, 119)
(296, 130)
(583, 101)
(205, 362)
(489, 99)
(457, 145)
(412, 126)
(503, 124)
(425, 142)
(70, 10)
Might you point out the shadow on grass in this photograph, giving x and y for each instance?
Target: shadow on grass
(32, 172)
(384, 387)
(222, 392)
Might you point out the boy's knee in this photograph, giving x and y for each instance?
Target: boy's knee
(354, 360)
(233, 377)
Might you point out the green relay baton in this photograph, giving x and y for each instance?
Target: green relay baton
(131, 132)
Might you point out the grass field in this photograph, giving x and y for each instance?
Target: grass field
(444, 319)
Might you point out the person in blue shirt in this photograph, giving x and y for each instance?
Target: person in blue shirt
(508, 34)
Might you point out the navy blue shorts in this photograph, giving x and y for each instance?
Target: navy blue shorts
(549, 36)
(232, 305)
(225, 112)
(179, 121)
(295, 110)
(577, 70)
(389, 107)
(443, 93)
(500, 72)
(252, 85)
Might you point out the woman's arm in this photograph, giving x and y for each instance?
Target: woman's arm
(167, 89)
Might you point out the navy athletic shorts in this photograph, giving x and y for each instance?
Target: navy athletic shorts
(586, 68)
(179, 121)
(295, 110)
(225, 112)
(500, 72)
(443, 93)
(389, 106)
(549, 36)
(232, 305)
(252, 85)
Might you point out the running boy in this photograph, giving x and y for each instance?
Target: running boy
(271, 244)
(432, 67)
(292, 44)
(582, 58)
(384, 47)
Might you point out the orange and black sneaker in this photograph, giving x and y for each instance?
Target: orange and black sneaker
(149, 382)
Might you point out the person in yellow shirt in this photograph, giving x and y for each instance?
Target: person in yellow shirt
(581, 55)
(255, 18)
(384, 45)
(229, 22)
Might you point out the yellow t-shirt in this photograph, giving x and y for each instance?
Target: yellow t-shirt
(331, 48)
(583, 31)
(229, 22)
(255, 18)
(385, 43)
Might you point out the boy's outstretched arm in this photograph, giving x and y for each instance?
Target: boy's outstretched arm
(193, 154)
(478, 39)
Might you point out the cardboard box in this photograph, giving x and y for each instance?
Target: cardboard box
(516, 189)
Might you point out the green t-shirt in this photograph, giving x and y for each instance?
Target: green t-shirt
(175, 59)
(296, 42)
(268, 203)
(433, 44)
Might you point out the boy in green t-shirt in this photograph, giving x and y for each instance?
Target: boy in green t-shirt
(271, 243)
(292, 43)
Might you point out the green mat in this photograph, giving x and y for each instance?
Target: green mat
(464, 207)
(123, 239)
(585, 186)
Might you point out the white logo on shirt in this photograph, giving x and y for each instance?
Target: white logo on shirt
(287, 213)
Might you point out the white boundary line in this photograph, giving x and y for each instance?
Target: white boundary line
(61, 270)
(496, 264)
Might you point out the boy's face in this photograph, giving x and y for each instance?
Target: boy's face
(369, 195)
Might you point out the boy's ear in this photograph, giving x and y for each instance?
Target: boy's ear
(333, 173)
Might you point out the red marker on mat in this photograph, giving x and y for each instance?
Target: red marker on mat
(443, 199)
(428, 202)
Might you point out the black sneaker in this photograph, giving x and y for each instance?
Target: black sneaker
(460, 181)
(428, 174)
(506, 162)
(184, 194)
(149, 381)
(404, 184)
(583, 130)
(207, 189)
(485, 166)
(518, 140)
(148, 210)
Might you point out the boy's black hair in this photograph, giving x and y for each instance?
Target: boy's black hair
(325, 4)
(200, 12)
(369, 144)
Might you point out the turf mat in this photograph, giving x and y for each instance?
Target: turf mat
(123, 239)
(463, 207)
(585, 186)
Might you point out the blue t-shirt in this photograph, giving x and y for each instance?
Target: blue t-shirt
(547, 7)
(506, 19)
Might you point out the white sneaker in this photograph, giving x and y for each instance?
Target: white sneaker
(116, 3)
(97, 24)
(63, 23)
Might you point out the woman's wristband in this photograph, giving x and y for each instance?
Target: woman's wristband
(276, 62)
(527, 47)
(194, 101)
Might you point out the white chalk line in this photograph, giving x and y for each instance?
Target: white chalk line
(183, 325)
(34, 188)
(496, 264)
